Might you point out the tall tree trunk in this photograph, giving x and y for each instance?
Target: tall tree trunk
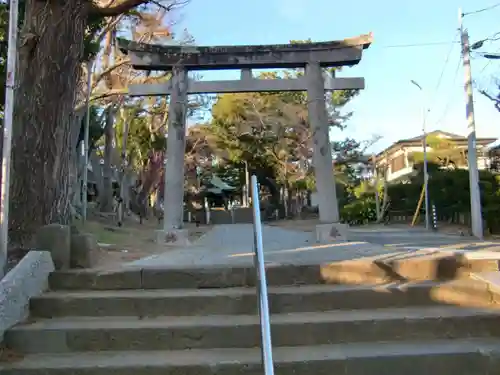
(106, 198)
(290, 202)
(123, 155)
(51, 49)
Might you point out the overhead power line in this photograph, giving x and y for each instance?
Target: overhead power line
(428, 44)
(450, 97)
(440, 79)
(491, 7)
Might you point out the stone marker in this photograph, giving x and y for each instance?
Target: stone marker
(336, 232)
(175, 237)
(84, 250)
(56, 239)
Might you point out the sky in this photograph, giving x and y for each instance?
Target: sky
(390, 106)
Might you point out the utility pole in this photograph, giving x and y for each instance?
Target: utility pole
(475, 197)
(426, 173)
(7, 132)
(426, 169)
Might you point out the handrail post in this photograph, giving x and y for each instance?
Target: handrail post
(265, 324)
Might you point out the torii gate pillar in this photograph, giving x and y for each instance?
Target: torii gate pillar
(322, 151)
(176, 144)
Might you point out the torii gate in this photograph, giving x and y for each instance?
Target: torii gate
(181, 59)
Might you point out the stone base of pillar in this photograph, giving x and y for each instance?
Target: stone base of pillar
(174, 237)
(335, 232)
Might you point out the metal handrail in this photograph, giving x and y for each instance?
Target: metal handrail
(265, 324)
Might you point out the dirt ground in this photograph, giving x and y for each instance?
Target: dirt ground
(131, 241)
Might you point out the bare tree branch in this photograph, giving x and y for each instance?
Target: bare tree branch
(118, 74)
(127, 5)
(102, 95)
(496, 101)
(116, 10)
(109, 26)
(97, 78)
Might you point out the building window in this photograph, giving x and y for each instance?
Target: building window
(397, 163)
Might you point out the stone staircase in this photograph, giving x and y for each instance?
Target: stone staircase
(204, 322)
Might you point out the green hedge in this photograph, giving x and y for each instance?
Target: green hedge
(358, 212)
(448, 191)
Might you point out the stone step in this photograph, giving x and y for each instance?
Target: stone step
(151, 278)
(435, 266)
(79, 334)
(445, 357)
(285, 299)
(402, 267)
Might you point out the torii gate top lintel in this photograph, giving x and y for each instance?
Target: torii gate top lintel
(145, 56)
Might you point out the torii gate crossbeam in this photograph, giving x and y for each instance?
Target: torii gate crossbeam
(245, 85)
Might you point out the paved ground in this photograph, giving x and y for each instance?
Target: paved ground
(233, 245)
(402, 238)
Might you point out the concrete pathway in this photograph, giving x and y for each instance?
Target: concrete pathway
(232, 245)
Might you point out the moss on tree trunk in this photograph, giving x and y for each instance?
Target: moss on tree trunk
(51, 48)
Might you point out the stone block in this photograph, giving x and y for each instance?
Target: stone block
(84, 250)
(335, 232)
(243, 215)
(197, 216)
(28, 279)
(56, 239)
(174, 237)
(219, 217)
